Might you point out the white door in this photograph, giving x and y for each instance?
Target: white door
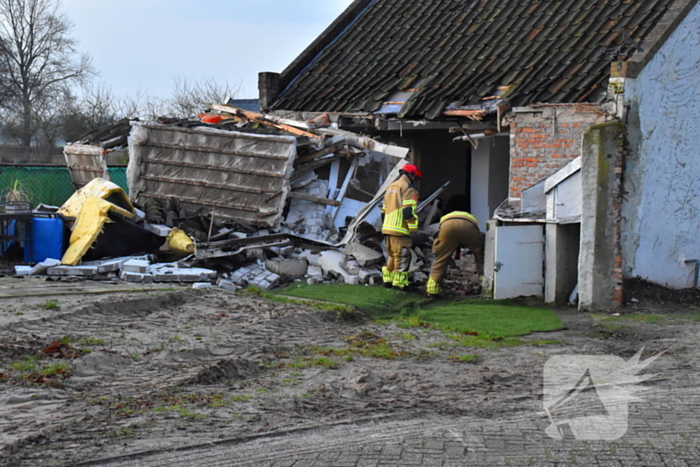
(519, 258)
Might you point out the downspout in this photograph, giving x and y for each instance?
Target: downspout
(696, 262)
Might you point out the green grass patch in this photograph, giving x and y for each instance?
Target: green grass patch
(27, 365)
(376, 302)
(49, 305)
(493, 318)
(542, 343)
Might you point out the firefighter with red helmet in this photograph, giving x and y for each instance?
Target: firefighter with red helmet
(400, 219)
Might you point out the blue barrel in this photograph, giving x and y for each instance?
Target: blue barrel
(46, 240)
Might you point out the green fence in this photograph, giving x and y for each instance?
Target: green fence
(48, 185)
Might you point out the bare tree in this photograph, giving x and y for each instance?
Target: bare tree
(188, 98)
(38, 60)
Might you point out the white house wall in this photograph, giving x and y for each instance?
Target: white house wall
(661, 212)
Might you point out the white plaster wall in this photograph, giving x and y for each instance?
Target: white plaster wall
(661, 211)
(480, 184)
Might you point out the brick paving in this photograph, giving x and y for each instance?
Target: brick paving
(663, 430)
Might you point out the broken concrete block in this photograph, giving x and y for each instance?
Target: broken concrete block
(227, 284)
(39, 268)
(112, 265)
(312, 258)
(255, 275)
(330, 263)
(290, 268)
(136, 265)
(350, 265)
(314, 272)
(366, 275)
(364, 255)
(352, 280)
(158, 229)
(314, 280)
(201, 285)
(137, 277)
(172, 273)
(72, 270)
(22, 270)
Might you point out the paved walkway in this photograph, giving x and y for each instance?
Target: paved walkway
(663, 430)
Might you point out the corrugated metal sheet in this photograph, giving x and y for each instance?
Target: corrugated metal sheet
(242, 176)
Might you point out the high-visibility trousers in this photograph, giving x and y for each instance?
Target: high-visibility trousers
(398, 249)
(454, 233)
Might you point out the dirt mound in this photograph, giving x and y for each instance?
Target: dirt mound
(648, 292)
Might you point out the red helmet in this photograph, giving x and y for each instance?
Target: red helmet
(412, 170)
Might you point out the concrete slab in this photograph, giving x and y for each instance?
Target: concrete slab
(290, 268)
(112, 265)
(172, 273)
(227, 284)
(72, 271)
(330, 262)
(136, 265)
(315, 272)
(365, 275)
(364, 255)
(23, 270)
(351, 266)
(136, 277)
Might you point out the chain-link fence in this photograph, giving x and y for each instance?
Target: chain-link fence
(47, 185)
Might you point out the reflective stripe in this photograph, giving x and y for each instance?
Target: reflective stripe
(387, 276)
(459, 215)
(432, 287)
(400, 279)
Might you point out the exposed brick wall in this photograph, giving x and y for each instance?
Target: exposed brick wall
(545, 140)
(617, 213)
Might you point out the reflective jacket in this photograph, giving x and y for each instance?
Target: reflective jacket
(459, 215)
(398, 196)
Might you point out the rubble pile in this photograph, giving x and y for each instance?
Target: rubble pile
(235, 199)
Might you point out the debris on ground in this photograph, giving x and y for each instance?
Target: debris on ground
(235, 198)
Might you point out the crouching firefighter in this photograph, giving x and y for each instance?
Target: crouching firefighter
(457, 229)
(399, 220)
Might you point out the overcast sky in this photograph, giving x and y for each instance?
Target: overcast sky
(143, 44)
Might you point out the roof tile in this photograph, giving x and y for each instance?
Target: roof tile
(463, 50)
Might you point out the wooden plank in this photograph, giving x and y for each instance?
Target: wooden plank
(314, 199)
(260, 118)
